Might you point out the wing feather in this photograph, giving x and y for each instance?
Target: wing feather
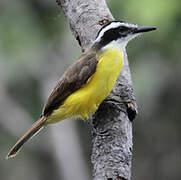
(73, 79)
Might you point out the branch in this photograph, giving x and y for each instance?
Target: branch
(112, 127)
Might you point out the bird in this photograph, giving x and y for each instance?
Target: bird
(87, 82)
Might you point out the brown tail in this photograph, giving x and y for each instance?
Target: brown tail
(35, 129)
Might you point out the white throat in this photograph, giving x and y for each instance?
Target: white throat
(119, 44)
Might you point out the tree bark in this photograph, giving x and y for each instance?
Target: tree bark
(112, 123)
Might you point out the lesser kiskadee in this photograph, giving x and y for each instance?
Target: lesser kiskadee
(89, 80)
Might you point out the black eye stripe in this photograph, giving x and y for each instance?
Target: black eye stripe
(118, 29)
(114, 34)
(123, 28)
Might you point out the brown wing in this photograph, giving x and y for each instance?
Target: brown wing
(73, 79)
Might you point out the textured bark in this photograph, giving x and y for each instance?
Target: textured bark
(111, 125)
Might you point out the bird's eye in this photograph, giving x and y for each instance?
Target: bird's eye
(123, 28)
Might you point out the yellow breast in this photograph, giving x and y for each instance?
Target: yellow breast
(85, 101)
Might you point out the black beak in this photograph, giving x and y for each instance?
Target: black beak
(144, 29)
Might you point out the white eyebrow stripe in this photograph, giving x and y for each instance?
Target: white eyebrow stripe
(114, 25)
(110, 26)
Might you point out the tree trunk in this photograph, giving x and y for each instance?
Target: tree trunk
(112, 123)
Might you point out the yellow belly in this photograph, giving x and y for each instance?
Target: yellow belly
(85, 101)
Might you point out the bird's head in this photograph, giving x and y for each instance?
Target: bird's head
(119, 32)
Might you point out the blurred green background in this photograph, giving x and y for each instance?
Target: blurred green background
(36, 46)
